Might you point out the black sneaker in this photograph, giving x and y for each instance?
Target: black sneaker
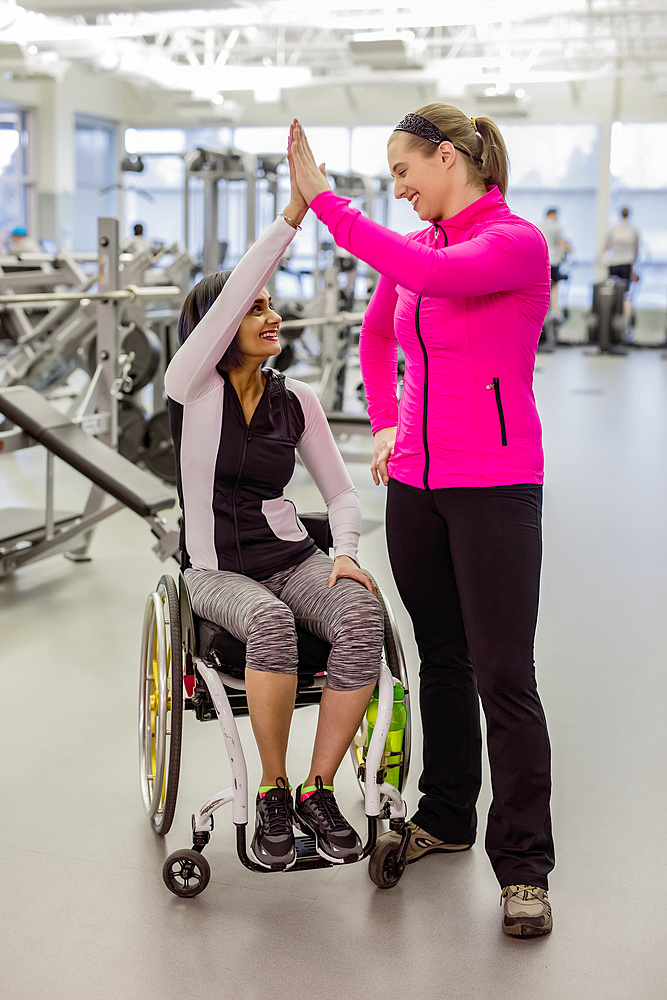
(273, 841)
(319, 816)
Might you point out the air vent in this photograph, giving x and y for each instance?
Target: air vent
(385, 52)
(489, 100)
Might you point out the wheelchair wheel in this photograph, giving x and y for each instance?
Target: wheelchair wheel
(161, 705)
(395, 659)
(186, 873)
(383, 868)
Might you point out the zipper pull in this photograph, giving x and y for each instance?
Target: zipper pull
(247, 432)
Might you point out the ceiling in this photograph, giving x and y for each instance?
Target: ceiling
(492, 48)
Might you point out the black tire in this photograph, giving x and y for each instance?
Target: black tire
(383, 869)
(161, 705)
(163, 818)
(186, 873)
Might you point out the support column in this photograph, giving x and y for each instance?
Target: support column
(55, 167)
(607, 119)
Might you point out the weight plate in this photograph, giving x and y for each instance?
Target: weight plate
(131, 430)
(159, 449)
(147, 350)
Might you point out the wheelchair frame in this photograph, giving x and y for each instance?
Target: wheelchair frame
(170, 667)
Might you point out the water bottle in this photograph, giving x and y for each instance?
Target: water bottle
(394, 744)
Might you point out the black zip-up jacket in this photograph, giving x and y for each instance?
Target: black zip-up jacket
(231, 475)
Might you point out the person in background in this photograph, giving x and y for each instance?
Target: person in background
(461, 455)
(621, 248)
(558, 249)
(22, 243)
(138, 242)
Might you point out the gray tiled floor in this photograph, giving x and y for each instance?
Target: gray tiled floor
(84, 911)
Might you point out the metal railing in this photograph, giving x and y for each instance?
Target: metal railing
(129, 293)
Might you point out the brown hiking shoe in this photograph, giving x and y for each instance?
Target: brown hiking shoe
(527, 911)
(422, 843)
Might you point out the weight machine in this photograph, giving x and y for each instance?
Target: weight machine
(606, 321)
(213, 168)
(72, 436)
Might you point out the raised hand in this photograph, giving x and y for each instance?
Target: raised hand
(298, 206)
(310, 178)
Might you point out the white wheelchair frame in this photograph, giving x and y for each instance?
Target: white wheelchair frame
(169, 665)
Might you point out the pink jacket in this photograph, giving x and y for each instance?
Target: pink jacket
(466, 299)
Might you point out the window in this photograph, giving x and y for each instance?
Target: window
(96, 178)
(556, 166)
(15, 183)
(638, 151)
(154, 198)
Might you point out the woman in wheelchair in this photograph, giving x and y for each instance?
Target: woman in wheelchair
(250, 565)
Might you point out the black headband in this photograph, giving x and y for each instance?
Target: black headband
(427, 130)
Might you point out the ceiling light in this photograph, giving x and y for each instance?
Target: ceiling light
(267, 93)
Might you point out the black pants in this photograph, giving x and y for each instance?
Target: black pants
(467, 566)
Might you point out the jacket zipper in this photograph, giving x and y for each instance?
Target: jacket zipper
(427, 457)
(501, 415)
(246, 440)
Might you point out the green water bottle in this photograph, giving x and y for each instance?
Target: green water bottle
(394, 744)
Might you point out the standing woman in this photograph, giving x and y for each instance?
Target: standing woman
(461, 455)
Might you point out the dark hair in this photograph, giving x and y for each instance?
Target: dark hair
(138, 229)
(197, 303)
(625, 212)
(551, 211)
(480, 141)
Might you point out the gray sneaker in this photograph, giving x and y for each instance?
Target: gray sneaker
(319, 816)
(422, 843)
(273, 841)
(527, 911)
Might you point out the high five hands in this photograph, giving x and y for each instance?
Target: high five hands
(310, 179)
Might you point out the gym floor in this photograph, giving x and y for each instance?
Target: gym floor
(85, 911)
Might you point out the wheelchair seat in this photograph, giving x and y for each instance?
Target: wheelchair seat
(215, 643)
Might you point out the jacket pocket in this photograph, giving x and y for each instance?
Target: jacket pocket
(495, 385)
(282, 519)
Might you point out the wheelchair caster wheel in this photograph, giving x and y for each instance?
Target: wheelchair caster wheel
(383, 868)
(186, 873)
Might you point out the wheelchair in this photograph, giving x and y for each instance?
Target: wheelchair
(190, 664)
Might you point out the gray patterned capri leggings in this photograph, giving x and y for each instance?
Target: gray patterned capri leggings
(262, 614)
